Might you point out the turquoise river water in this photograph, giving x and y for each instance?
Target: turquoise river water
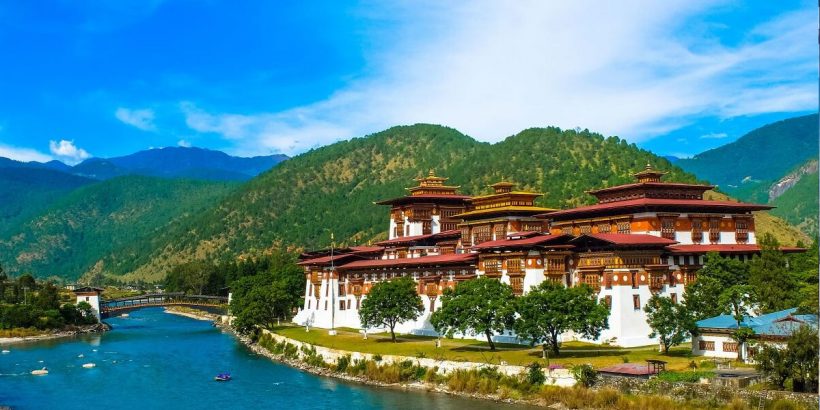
(155, 360)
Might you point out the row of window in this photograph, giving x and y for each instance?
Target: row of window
(708, 345)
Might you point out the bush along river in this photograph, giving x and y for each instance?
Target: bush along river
(155, 360)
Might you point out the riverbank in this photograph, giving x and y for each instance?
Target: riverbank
(487, 383)
(192, 313)
(57, 334)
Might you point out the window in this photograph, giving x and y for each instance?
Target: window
(730, 347)
(309, 304)
(714, 230)
(706, 345)
(634, 280)
(624, 227)
(636, 302)
(500, 232)
(697, 231)
(482, 234)
(593, 280)
(341, 305)
(426, 227)
(515, 265)
(586, 229)
(325, 305)
(532, 227)
(668, 228)
(465, 236)
(432, 303)
(348, 303)
(492, 266)
(567, 230)
(517, 284)
(674, 297)
(741, 231)
(604, 228)
(608, 301)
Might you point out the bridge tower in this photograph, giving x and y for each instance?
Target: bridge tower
(90, 295)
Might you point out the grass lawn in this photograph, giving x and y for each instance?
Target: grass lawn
(572, 353)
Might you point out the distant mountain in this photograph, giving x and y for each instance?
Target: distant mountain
(671, 158)
(179, 162)
(763, 155)
(119, 217)
(764, 165)
(26, 190)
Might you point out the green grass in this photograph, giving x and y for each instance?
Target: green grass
(572, 353)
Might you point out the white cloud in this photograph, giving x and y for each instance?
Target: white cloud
(68, 152)
(494, 68)
(714, 135)
(142, 119)
(184, 143)
(23, 154)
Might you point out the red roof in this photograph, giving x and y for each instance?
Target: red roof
(366, 249)
(327, 259)
(421, 198)
(452, 258)
(725, 248)
(652, 185)
(531, 241)
(645, 202)
(627, 239)
(416, 238)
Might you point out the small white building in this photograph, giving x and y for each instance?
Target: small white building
(90, 295)
(715, 339)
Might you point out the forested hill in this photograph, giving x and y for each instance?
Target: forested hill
(765, 154)
(25, 191)
(333, 188)
(122, 216)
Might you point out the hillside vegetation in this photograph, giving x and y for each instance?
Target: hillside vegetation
(116, 219)
(25, 191)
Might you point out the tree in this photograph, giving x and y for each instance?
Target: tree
(48, 297)
(551, 309)
(261, 306)
(87, 312)
(722, 287)
(390, 303)
(774, 363)
(741, 335)
(803, 349)
(477, 306)
(775, 288)
(669, 321)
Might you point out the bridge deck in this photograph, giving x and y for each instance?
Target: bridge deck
(160, 299)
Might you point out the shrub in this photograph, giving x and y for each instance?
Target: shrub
(377, 358)
(290, 351)
(431, 375)
(342, 363)
(784, 404)
(535, 375)
(585, 375)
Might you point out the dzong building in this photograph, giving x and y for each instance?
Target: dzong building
(639, 239)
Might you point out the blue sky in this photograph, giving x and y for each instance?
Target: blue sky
(108, 78)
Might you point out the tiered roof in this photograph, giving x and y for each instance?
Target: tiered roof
(505, 201)
(430, 189)
(650, 194)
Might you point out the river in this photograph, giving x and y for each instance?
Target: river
(155, 360)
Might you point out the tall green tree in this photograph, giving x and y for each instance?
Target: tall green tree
(390, 303)
(48, 297)
(477, 306)
(722, 288)
(669, 321)
(803, 351)
(551, 309)
(774, 286)
(260, 306)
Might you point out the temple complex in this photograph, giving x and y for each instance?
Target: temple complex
(640, 239)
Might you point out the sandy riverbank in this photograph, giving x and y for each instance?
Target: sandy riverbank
(192, 313)
(97, 328)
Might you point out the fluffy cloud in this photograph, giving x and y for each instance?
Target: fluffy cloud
(23, 154)
(633, 69)
(67, 152)
(184, 143)
(142, 119)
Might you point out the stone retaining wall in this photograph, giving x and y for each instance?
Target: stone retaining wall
(556, 377)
